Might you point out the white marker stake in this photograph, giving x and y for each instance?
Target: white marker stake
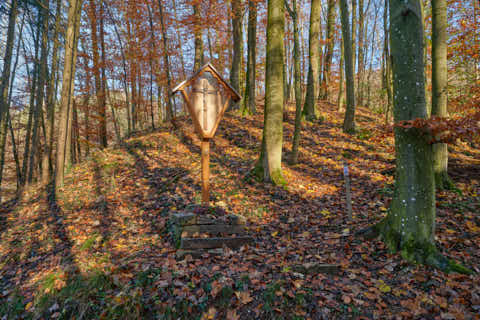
(347, 189)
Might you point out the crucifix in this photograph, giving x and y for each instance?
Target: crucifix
(206, 102)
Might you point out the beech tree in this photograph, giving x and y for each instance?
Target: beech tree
(309, 108)
(69, 68)
(439, 88)
(249, 96)
(269, 165)
(5, 81)
(409, 227)
(349, 121)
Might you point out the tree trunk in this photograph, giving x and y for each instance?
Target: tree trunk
(166, 64)
(297, 84)
(71, 42)
(103, 93)
(249, 97)
(269, 166)
(341, 99)
(47, 164)
(309, 108)
(42, 76)
(237, 39)
(410, 224)
(198, 62)
(349, 121)
(361, 62)
(329, 49)
(354, 36)
(387, 80)
(4, 83)
(439, 88)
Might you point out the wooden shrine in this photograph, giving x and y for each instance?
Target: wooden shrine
(203, 229)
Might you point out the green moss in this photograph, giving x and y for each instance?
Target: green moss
(277, 177)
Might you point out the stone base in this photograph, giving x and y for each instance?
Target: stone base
(196, 234)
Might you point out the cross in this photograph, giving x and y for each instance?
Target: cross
(204, 91)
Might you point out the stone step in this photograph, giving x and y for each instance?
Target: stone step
(189, 218)
(213, 229)
(210, 243)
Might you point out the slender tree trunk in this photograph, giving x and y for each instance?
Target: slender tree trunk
(4, 83)
(354, 36)
(198, 63)
(249, 97)
(341, 99)
(361, 62)
(329, 49)
(298, 89)
(167, 64)
(43, 19)
(309, 108)
(31, 110)
(349, 121)
(103, 93)
(71, 42)
(47, 164)
(387, 81)
(151, 60)
(237, 38)
(269, 166)
(439, 88)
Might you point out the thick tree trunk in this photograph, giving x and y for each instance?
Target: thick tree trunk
(439, 88)
(410, 224)
(71, 42)
(329, 49)
(349, 121)
(249, 97)
(309, 108)
(269, 166)
(4, 82)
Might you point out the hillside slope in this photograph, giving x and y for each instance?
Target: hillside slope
(103, 249)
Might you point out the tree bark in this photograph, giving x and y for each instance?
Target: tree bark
(249, 97)
(42, 76)
(269, 166)
(71, 42)
(167, 64)
(198, 62)
(409, 227)
(439, 88)
(297, 84)
(329, 49)
(341, 99)
(237, 38)
(349, 121)
(4, 83)
(309, 108)
(47, 164)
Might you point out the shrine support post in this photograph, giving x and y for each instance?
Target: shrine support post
(205, 171)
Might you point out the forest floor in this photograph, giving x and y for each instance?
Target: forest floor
(103, 250)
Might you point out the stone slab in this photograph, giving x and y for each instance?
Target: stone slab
(315, 268)
(213, 229)
(181, 254)
(211, 243)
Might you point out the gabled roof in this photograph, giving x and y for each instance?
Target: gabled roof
(209, 67)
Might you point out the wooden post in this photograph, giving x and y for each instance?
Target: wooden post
(348, 193)
(205, 171)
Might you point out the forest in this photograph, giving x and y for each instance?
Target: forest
(240, 159)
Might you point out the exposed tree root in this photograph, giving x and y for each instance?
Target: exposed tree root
(412, 251)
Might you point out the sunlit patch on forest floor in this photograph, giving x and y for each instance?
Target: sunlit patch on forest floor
(103, 249)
